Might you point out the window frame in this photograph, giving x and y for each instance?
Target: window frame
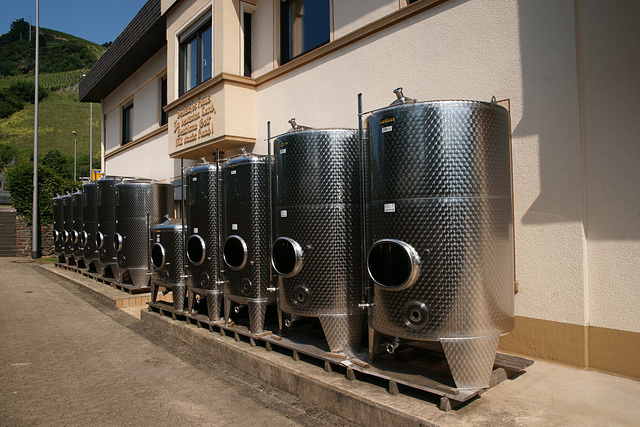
(164, 96)
(194, 33)
(285, 36)
(127, 123)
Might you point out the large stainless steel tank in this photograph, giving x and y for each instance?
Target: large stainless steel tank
(204, 209)
(139, 205)
(317, 251)
(67, 202)
(167, 261)
(247, 237)
(90, 224)
(76, 236)
(440, 229)
(107, 223)
(58, 226)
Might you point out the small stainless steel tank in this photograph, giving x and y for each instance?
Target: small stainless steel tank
(167, 261)
(317, 251)
(107, 223)
(77, 235)
(67, 201)
(139, 205)
(440, 248)
(90, 224)
(204, 210)
(58, 226)
(247, 237)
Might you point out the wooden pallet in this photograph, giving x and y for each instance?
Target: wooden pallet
(166, 309)
(417, 365)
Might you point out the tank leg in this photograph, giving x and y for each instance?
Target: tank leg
(374, 343)
(154, 292)
(227, 310)
(343, 331)
(179, 292)
(471, 360)
(190, 300)
(257, 313)
(214, 305)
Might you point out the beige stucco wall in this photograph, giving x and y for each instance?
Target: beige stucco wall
(149, 158)
(350, 15)
(473, 50)
(609, 69)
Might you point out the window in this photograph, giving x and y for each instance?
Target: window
(127, 123)
(247, 43)
(195, 56)
(164, 116)
(304, 26)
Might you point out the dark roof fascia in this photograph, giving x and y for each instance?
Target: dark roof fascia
(145, 35)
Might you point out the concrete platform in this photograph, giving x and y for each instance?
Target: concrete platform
(546, 395)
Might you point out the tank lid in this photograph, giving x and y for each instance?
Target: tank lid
(401, 99)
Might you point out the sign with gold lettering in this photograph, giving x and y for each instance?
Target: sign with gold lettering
(194, 121)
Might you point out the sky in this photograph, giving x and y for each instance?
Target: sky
(99, 21)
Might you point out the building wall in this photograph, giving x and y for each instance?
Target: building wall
(146, 156)
(570, 279)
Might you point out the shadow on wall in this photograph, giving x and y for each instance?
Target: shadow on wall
(550, 108)
(598, 82)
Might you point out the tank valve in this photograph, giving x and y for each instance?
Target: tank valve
(290, 321)
(391, 347)
(293, 123)
(399, 93)
(238, 308)
(364, 305)
(148, 273)
(272, 289)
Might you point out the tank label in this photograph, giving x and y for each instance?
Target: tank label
(386, 129)
(195, 230)
(195, 178)
(234, 226)
(283, 151)
(158, 238)
(283, 213)
(233, 172)
(389, 207)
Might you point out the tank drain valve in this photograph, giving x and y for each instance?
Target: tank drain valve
(290, 321)
(149, 273)
(364, 305)
(221, 282)
(391, 347)
(185, 276)
(238, 308)
(272, 289)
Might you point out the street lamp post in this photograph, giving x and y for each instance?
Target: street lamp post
(75, 153)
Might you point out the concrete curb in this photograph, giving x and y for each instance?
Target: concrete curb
(356, 401)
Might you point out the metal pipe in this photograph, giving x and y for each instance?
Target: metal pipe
(391, 347)
(217, 176)
(35, 249)
(182, 214)
(363, 206)
(238, 308)
(270, 189)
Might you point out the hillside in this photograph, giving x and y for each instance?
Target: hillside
(64, 59)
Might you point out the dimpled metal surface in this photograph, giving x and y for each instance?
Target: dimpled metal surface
(203, 208)
(78, 250)
(107, 217)
(445, 168)
(67, 202)
(139, 205)
(58, 224)
(169, 234)
(317, 205)
(246, 215)
(90, 219)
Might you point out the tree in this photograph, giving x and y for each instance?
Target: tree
(60, 163)
(8, 153)
(19, 182)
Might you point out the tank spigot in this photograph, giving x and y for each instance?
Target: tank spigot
(290, 321)
(238, 308)
(292, 122)
(204, 160)
(399, 93)
(244, 151)
(401, 99)
(391, 347)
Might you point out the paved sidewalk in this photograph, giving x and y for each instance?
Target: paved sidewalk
(64, 361)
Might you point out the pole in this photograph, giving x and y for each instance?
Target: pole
(35, 247)
(91, 141)
(75, 154)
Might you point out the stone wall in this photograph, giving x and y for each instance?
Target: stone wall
(23, 238)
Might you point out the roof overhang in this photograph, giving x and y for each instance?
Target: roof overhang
(145, 35)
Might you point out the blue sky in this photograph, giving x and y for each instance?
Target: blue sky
(96, 21)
